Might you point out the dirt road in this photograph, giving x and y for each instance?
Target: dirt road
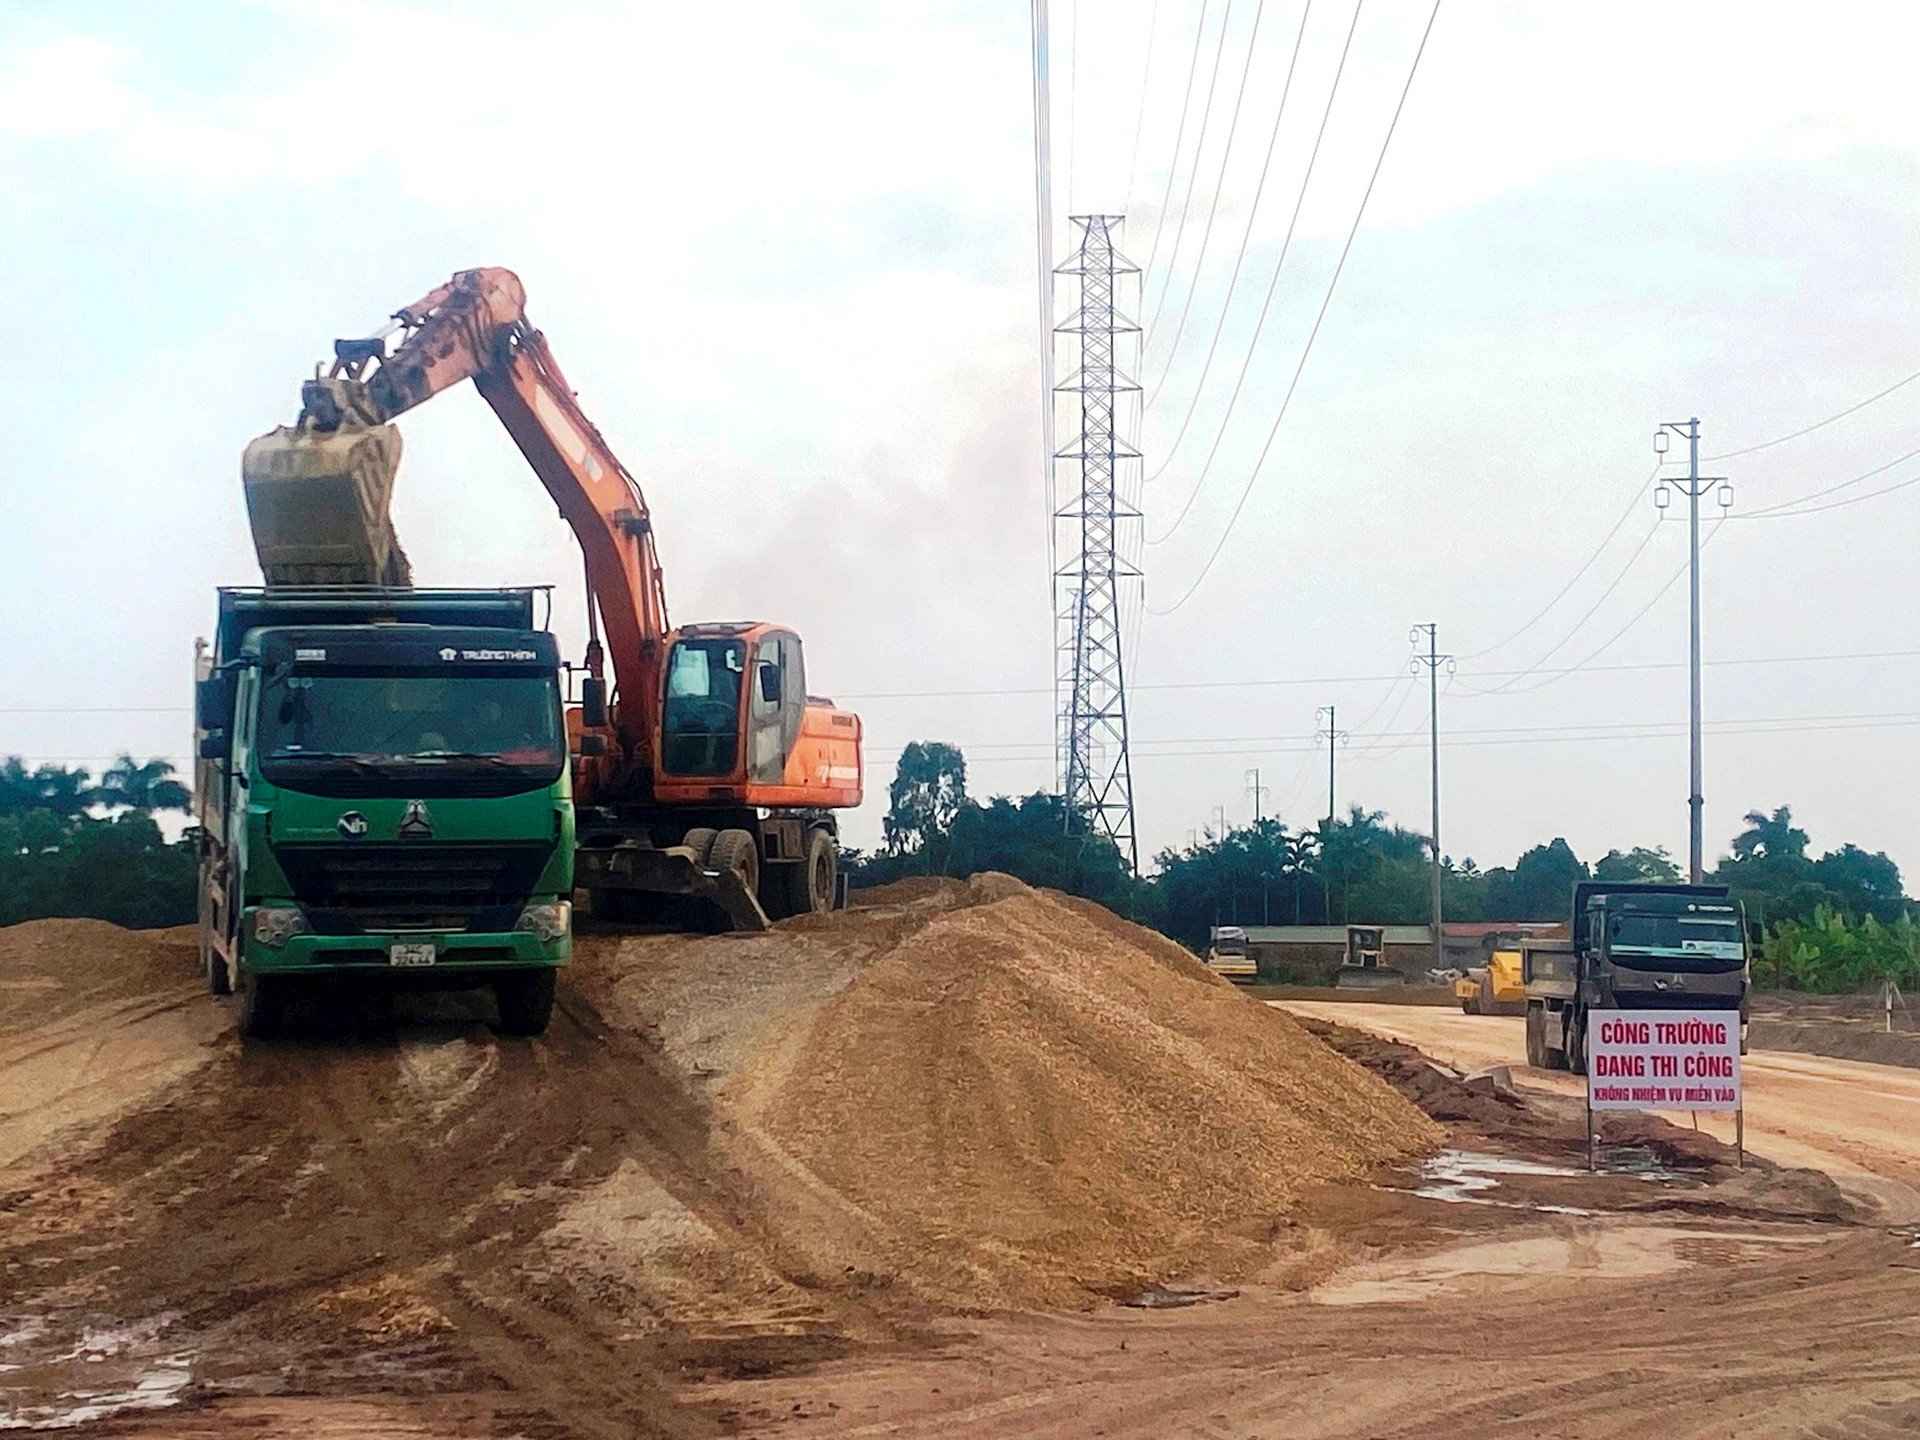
(417, 1228)
(1858, 1122)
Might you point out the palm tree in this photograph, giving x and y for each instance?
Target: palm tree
(67, 793)
(1296, 857)
(131, 786)
(1772, 837)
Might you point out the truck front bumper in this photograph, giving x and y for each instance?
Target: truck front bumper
(463, 953)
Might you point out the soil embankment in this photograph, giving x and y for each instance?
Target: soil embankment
(730, 1156)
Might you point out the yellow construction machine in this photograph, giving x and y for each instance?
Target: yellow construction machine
(1495, 988)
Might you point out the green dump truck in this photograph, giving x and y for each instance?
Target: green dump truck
(383, 797)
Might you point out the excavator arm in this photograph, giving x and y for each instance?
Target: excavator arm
(475, 328)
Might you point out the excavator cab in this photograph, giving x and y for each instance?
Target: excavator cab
(737, 725)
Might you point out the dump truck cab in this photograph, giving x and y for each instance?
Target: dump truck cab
(383, 794)
(1634, 946)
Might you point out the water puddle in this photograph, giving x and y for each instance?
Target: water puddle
(1463, 1177)
(109, 1369)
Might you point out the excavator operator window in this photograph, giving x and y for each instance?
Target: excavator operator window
(700, 731)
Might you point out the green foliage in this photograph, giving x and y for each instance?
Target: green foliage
(1638, 864)
(128, 784)
(119, 869)
(1769, 871)
(1830, 953)
(57, 859)
(929, 788)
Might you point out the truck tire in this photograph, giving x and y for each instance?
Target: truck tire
(810, 883)
(212, 967)
(1537, 1037)
(700, 841)
(262, 1007)
(1577, 1040)
(738, 851)
(525, 999)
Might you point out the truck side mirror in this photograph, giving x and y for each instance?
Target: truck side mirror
(770, 683)
(213, 702)
(213, 745)
(593, 745)
(593, 703)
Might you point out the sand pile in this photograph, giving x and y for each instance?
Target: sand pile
(1021, 1098)
(94, 1021)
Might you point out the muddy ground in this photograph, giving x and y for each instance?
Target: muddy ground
(327, 1237)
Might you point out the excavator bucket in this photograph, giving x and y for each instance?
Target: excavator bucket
(318, 502)
(675, 870)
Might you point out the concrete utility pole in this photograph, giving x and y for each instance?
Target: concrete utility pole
(1256, 790)
(1693, 487)
(1334, 737)
(1433, 660)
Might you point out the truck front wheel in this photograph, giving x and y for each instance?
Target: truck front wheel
(525, 998)
(263, 1004)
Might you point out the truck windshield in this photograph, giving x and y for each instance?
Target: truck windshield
(1714, 935)
(503, 726)
(700, 731)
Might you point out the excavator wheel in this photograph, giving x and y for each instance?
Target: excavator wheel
(810, 883)
(700, 840)
(738, 851)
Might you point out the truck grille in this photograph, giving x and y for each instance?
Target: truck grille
(448, 887)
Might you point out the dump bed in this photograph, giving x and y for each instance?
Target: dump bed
(244, 609)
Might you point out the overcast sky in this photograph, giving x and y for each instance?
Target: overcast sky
(786, 253)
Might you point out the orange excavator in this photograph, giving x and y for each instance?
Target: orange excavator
(706, 770)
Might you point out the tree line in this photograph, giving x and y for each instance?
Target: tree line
(74, 846)
(1835, 921)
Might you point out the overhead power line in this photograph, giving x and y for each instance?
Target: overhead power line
(1817, 425)
(1307, 350)
(1601, 599)
(1213, 209)
(1830, 657)
(1140, 110)
(1633, 503)
(1193, 173)
(1294, 745)
(1831, 504)
(1239, 259)
(1179, 136)
(1273, 281)
(1609, 642)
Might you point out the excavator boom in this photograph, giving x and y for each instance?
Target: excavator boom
(709, 772)
(342, 454)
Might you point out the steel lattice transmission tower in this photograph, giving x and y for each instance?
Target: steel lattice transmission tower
(1096, 774)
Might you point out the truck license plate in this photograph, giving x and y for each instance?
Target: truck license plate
(411, 955)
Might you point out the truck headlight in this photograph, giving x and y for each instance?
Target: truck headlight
(274, 925)
(549, 922)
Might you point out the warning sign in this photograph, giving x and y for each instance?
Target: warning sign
(1663, 1060)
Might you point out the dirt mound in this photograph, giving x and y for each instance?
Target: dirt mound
(1023, 1098)
(94, 1020)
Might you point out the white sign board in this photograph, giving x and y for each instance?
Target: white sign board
(1663, 1059)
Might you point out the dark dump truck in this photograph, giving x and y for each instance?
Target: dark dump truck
(1633, 947)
